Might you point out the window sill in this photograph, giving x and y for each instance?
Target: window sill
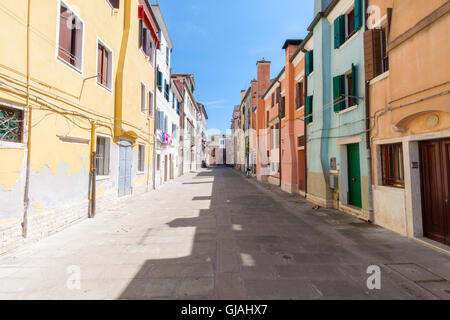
(71, 67)
(12, 145)
(102, 178)
(379, 78)
(302, 107)
(309, 75)
(348, 109)
(109, 90)
(389, 188)
(349, 40)
(140, 173)
(334, 171)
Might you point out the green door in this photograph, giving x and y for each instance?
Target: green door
(354, 176)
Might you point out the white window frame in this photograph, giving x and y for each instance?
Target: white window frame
(107, 156)
(110, 65)
(144, 103)
(139, 157)
(78, 71)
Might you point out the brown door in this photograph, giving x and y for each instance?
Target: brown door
(435, 174)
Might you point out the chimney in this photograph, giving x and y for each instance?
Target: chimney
(263, 78)
(242, 94)
(291, 46)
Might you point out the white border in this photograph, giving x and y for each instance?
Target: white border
(81, 71)
(110, 64)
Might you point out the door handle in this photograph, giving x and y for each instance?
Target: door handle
(353, 179)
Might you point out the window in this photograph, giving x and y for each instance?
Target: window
(347, 24)
(384, 55)
(141, 159)
(158, 162)
(143, 102)
(392, 165)
(167, 55)
(178, 107)
(350, 25)
(309, 62)
(166, 90)
(11, 124)
(104, 66)
(282, 110)
(160, 121)
(174, 129)
(345, 90)
(273, 100)
(309, 109)
(159, 80)
(145, 40)
(70, 43)
(301, 141)
(102, 156)
(299, 100)
(267, 118)
(173, 101)
(114, 3)
(376, 58)
(150, 104)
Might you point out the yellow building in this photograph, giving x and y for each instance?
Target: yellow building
(76, 110)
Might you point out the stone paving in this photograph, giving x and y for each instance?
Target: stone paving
(217, 235)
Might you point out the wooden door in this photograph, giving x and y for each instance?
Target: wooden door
(354, 175)
(435, 176)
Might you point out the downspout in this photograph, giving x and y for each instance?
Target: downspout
(368, 139)
(279, 133)
(28, 168)
(92, 172)
(120, 69)
(305, 94)
(154, 117)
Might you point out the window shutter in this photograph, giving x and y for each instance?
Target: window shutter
(358, 14)
(278, 95)
(355, 101)
(337, 29)
(147, 42)
(141, 34)
(65, 35)
(372, 53)
(105, 68)
(297, 95)
(309, 109)
(78, 44)
(99, 64)
(341, 30)
(309, 62)
(338, 91)
(115, 3)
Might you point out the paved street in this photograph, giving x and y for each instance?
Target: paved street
(218, 235)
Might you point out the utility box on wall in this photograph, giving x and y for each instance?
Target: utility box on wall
(334, 182)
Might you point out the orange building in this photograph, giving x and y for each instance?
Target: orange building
(407, 52)
(283, 115)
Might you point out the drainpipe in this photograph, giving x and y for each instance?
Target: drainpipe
(279, 132)
(120, 69)
(154, 118)
(305, 93)
(28, 168)
(368, 139)
(92, 172)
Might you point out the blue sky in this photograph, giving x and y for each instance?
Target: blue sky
(220, 41)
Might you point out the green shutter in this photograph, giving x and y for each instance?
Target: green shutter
(337, 30)
(309, 109)
(354, 84)
(358, 14)
(309, 62)
(338, 92)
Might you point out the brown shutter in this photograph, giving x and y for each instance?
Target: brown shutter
(77, 43)
(372, 53)
(65, 35)
(99, 64)
(115, 3)
(297, 95)
(105, 68)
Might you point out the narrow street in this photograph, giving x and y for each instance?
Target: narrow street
(218, 235)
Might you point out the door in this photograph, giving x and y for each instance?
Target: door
(354, 175)
(301, 170)
(435, 176)
(125, 159)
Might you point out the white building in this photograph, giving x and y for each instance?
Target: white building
(166, 116)
(201, 135)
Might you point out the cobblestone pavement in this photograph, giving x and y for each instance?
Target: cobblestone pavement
(217, 235)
